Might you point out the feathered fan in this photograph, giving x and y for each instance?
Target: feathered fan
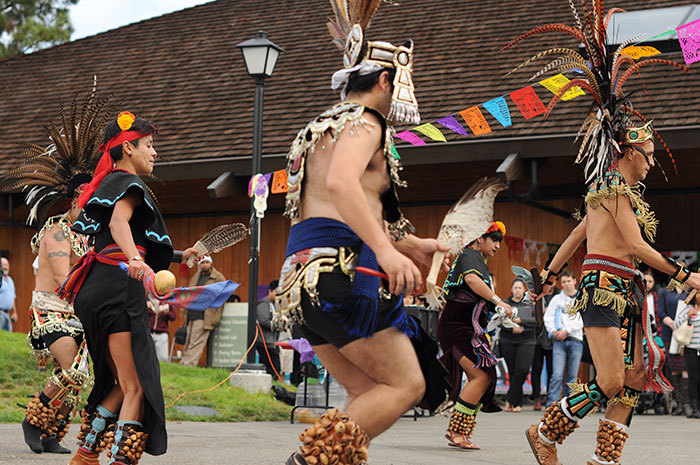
(218, 239)
(466, 221)
(604, 74)
(53, 172)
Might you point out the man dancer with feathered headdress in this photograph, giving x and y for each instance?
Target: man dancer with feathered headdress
(614, 221)
(58, 172)
(342, 174)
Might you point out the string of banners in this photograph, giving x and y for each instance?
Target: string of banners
(528, 102)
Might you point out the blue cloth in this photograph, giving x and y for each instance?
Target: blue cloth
(566, 358)
(7, 293)
(5, 322)
(358, 313)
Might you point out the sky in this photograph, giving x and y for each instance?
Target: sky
(90, 17)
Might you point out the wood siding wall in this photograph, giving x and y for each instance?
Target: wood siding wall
(676, 231)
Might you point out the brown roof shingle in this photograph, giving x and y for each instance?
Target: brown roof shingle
(183, 71)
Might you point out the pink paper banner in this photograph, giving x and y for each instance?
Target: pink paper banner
(689, 38)
(411, 138)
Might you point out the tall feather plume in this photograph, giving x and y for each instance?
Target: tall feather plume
(45, 172)
(466, 221)
(604, 80)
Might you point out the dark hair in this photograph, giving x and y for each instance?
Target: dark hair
(518, 280)
(75, 182)
(496, 236)
(567, 274)
(112, 129)
(273, 284)
(360, 84)
(234, 298)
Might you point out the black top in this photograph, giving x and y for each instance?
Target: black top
(147, 225)
(470, 261)
(526, 313)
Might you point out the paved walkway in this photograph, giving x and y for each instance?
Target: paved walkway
(656, 440)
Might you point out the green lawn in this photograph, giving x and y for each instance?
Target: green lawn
(20, 379)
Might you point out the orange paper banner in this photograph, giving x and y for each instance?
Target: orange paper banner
(279, 182)
(476, 121)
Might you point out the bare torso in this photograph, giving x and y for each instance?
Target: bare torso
(316, 200)
(49, 278)
(603, 234)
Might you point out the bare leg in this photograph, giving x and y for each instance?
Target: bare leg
(633, 378)
(606, 351)
(127, 378)
(381, 374)
(113, 400)
(479, 382)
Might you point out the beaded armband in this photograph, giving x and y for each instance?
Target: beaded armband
(680, 276)
(548, 276)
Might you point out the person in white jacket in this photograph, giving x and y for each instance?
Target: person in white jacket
(566, 333)
(688, 314)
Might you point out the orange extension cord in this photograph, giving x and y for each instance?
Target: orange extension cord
(258, 331)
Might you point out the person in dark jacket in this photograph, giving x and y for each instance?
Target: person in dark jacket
(518, 345)
(675, 363)
(265, 346)
(159, 318)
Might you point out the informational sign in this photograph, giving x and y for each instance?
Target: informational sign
(229, 339)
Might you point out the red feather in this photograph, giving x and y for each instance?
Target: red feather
(632, 69)
(583, 84)
(549, 28)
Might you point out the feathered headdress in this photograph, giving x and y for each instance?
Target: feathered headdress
(352, 18)
(467, 220)
(604, 74)
(50, 173)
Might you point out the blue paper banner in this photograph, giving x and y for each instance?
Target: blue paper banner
(498, 107)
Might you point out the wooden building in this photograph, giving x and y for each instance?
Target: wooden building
(183, 72)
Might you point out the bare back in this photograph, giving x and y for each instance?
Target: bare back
(56, 257)
(316, 199)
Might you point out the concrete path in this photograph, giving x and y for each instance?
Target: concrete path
(654, 440)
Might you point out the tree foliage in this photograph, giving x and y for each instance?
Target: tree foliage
(27, 25)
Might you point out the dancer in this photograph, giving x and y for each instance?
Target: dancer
(610, 296)
(469, 299)
(55, 173)
(346, 215)
(125, 410)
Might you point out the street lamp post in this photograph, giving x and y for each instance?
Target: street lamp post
(260, 56)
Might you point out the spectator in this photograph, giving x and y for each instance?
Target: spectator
(266, 344)
(652, 300)
(235, 298)
(566, 333)
(675, 363)
(689, 313)
(8, 311)
(200, 324)
(409, 300)
(518, 344)
(159, 318)
(543, 351)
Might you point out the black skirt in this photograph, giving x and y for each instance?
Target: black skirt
(107, 296)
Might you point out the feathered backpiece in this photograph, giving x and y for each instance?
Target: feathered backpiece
(466, 221)
(603, 75)
(50, 173)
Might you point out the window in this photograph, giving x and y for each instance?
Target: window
(657, 24)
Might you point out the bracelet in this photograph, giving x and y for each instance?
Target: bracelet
(682, 273)
(137, 257)
(495, 299)
(548, 276)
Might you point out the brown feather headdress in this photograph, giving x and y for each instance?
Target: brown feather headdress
(50, 173)
(347, 28)
(604, 73)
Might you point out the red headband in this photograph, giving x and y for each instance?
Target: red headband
(106, 165)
